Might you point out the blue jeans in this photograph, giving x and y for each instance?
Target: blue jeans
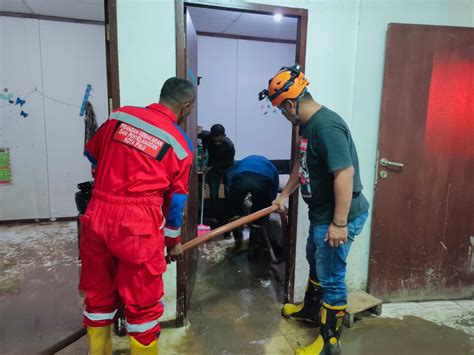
(328, 264)
(214, 178)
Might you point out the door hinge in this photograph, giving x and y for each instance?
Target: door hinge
(471, 253)
(107, 33)
(376, 168)
(111, 105)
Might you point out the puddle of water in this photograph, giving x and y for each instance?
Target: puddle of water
(407, 336)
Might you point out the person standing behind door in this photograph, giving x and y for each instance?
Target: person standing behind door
(221, 153)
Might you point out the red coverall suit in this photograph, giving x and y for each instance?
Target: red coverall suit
(142, 162)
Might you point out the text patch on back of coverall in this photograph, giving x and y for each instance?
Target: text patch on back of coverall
(140, 140)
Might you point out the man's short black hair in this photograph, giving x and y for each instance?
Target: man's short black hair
(177, 91)
(217, 130)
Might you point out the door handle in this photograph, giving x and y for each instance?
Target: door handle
(386, 162)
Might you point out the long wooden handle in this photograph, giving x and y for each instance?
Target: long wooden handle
(186, 246)
(229, 226)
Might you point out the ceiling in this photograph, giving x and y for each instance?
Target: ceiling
(205, 20)
(78, 9)
(243, 24)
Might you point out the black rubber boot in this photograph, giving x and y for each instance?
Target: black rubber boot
(328, 341)
(238, 237)
(309, 309)
(257, 245)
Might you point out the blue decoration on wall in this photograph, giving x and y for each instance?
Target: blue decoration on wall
(22, 99)
(20, 102)
(85, 99)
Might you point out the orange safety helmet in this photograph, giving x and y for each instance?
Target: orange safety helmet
(288, 83)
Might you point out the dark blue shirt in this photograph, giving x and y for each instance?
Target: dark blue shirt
(326, 146)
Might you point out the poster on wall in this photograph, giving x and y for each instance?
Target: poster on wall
(5, 167)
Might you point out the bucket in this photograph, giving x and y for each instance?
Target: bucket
(203, 229)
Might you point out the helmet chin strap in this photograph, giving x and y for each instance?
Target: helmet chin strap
(297, 119)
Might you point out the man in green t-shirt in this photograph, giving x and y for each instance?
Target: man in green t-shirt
(328, 173)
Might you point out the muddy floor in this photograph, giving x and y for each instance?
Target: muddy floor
(235, 308)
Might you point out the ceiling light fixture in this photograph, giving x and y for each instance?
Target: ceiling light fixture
(277, 17)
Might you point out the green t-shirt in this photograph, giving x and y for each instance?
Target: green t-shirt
(326, 145)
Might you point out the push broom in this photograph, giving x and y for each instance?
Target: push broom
(202, 228)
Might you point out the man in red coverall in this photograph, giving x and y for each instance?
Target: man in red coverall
(142, 161)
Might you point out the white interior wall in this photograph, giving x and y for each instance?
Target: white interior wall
(233, 72)
(217, 92)
(344, 61)
(147, 49)
(57, 59)
(147, 57)
(72, 56)
(259, 133)
(20, 72)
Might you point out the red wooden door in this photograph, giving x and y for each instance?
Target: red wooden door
(423, 221)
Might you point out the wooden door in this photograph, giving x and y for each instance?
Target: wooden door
(188, 267)
(423, 220)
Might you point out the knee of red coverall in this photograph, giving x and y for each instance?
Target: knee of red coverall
(101, 296)
(97, 279)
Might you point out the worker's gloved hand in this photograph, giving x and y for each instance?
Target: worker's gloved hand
(280, 203)
(174, 253)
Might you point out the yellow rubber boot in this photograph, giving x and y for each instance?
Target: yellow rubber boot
(290, 308)
(100, 340)
(327, 343)
(309, 309)
(137, 348)
(316, 348)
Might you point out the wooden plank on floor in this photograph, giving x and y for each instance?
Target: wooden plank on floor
(361, 301)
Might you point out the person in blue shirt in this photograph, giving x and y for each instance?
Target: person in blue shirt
(258, 176)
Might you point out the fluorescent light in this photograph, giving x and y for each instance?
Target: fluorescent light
(277, 17)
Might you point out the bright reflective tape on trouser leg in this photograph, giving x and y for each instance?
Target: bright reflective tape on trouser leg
(172, 233)
(100, 316)
(141, 328)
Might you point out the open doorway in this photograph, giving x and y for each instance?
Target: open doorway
(232, 51)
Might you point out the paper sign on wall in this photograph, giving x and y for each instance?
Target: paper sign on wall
(5, 167)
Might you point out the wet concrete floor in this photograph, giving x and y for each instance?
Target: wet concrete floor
(235, 308)
(39, 301)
